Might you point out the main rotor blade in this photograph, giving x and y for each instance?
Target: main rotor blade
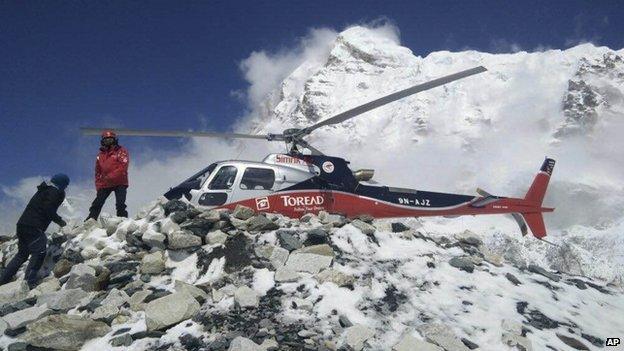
(170, 133)
(394, 97)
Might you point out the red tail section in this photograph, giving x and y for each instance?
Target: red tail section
(535, 196)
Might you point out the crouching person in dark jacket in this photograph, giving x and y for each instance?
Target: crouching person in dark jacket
(40, 211)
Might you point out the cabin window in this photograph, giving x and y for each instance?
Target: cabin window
(224, 179)
(258, 179)
(212, 199)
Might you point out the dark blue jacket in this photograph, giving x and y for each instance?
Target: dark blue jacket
(42, 207)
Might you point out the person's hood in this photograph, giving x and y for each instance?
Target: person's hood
(45, 185)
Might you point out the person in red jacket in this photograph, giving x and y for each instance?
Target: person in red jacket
(111, 175)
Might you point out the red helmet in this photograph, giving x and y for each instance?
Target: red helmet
(108, 134)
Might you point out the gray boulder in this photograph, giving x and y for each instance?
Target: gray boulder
(363, 227)
(183, 240)
(14, 291)
(154, 239)
(322, 249)
(105, 313)
(243, 344)
(306, 218)
(285, 274)
(137, 300)
(462, 263)
(82, 276)
(121, 340)
(490, 256)
(410, 343)
(572, 342)
(47, 286)
(398, 227)
(332, 220)
(192, 290)
(116, 298)
(212, 216)
(153, 263)
(20, 318)
(469, 238)
(64, 332)
(354, 337)
(541, 271)
(238, 223)
(308, 262)
(173, 206)
(260, 223)
(242, 212)
(167, 226)
(216, 237)
(170, 310)
(62, 267)
(278, 257)
(335, 276)
(288, 240)
(245, 297)
(442, 336)
(64, 300)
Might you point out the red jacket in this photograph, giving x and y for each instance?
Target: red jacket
(111, 167)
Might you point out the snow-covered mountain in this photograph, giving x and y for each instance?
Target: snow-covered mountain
(490, 131)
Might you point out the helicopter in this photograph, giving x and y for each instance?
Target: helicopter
(294, 184)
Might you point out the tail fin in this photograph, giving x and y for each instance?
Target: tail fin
(540, 183)
(535, 196)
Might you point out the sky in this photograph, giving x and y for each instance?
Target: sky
(190, 65)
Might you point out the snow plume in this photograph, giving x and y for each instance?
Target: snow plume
(265, 71)
(273, 76)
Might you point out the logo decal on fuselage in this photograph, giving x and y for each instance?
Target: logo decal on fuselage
(290, 160)
(328, 167)
(303, 203)
(262, 203)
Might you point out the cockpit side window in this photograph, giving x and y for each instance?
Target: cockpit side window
(224, 179)
(258, 179)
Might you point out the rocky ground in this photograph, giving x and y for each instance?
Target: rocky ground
(176, 278)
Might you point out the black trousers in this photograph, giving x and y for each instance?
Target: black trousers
(31, 241)
(102, 195)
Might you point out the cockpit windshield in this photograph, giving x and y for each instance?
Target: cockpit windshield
(201, 175)
(193, 182)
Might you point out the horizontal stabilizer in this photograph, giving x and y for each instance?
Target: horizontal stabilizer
(486, 199)
(483, 192)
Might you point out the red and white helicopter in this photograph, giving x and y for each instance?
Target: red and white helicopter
(294, 183)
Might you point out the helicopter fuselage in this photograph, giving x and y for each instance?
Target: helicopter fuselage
(294, 185)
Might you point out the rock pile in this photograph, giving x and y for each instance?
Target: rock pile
(179, 278)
